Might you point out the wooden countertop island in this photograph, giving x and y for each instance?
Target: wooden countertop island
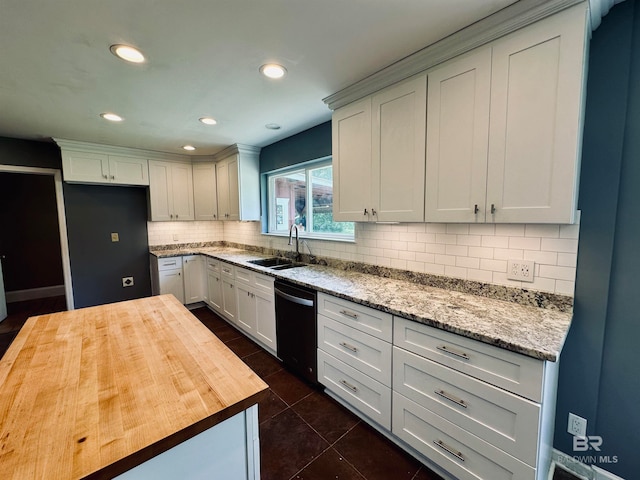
(138, 389)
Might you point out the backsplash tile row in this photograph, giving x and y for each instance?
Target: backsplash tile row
(168, 233)
(477, 252)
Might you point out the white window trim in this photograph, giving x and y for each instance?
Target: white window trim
(305, 166)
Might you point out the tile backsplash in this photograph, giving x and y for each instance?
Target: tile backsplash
(477, 252)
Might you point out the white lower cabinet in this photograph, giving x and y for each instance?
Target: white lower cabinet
(354, 356)
(360, 391)
(194, 284)
(256, 307)
(214, 285)
(229, 295)
(169, 270)
(460, 453)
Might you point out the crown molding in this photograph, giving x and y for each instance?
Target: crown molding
(238, 148)
(75, 145)
(501, 23)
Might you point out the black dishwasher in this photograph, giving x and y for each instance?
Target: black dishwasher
(296, 329)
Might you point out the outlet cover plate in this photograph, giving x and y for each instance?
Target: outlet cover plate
(577, 426)
(127, 281)
(520, 270)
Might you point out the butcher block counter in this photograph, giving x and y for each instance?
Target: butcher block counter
(135, 389)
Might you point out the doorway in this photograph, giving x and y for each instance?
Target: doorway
(62, 225)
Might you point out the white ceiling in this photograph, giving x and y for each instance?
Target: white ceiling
(57, 73)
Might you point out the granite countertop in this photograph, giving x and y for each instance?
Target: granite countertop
(532, 331)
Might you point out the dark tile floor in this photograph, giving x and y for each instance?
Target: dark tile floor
(304, 434)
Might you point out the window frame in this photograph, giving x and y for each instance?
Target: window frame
(305, 167)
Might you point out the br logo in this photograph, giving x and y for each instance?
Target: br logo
(583, 444)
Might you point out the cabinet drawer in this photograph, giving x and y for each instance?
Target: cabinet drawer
(169, 263)
(227, 270)
(244, 275)
(264, 283)
(501, 418)
(354, 387)
(368, 320)
(213, 264)
(509, 370)
(365, 353)
(462, 454)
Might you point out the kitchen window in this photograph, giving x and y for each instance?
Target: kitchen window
(303, 195)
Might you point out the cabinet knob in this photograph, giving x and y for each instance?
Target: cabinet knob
(365, 212)
(373, 212)
(476, 209)
(113, 177)
(171, 215)
(105, 176)
(176, 215)
(493, 209)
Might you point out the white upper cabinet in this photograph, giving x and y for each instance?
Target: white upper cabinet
(457, 139)
(205, 198)
(238, 183)
(536, 121)
(504, 127)
(351, 139)
(379, 155)
(398, 151)
(102, 168)
(170, 191)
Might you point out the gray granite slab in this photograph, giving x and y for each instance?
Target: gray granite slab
(532, 331)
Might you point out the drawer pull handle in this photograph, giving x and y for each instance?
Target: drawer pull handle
(349, 347)
(451, 398)
(449, 449)
(457, 353)
(349, 314)
(349, 386)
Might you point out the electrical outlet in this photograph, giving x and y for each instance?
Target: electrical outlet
(115, 237)
(127, 281)
(175, 237)
(521, 270)
(577, 426)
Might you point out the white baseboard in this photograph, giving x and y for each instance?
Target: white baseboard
(579, 469)
(34, 293)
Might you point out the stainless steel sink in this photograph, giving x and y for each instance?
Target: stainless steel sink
(276, 263)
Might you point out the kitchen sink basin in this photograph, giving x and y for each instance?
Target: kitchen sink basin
(276, 263)
(272, 262)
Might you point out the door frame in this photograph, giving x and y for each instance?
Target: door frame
(62, 221)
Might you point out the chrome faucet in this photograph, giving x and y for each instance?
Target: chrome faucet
(297, 244)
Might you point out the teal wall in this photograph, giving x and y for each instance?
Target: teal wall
(599, 377)
(308, 145)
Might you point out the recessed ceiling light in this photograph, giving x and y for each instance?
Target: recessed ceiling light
(190, 148)
(128, 53)
(208, 120)
(112, 117)
(273, 70)
(273, 126)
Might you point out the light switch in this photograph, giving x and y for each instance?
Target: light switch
(115, 237)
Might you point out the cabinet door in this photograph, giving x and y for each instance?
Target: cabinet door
(85, 167)
(351, 140)
(214, 285)
(205, 200)
(266, 320)
(182, 191)
(171, 282)
(398, 151)
(160, 191)
(246, 308)
(128, 170)
(457, 138)
(534, 137)
(192, 266)
(229, 299)
(222, 182)
(234, 189)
